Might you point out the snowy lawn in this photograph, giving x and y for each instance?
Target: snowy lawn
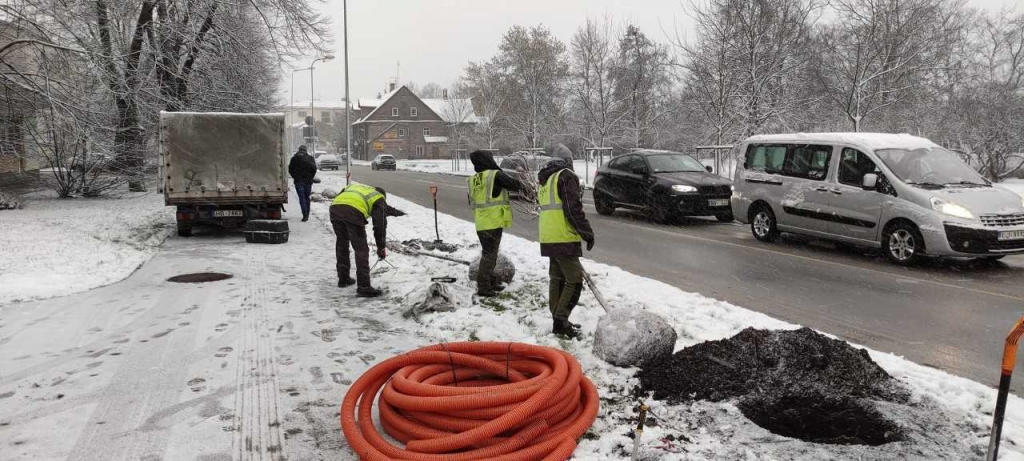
(55, 247)
(948, 417)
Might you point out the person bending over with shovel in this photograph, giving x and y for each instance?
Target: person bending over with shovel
(563, 224)
(492, 211)
(350, 211)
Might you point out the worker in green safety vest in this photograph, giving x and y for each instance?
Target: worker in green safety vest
(492, 212)
(563, 225)
(350, 211)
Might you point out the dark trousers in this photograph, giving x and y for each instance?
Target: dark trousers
(490, 240)
(354, 234)
(303, 190)
(566, 274)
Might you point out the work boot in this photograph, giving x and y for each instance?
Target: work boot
(565, 329)
(486, 293)
(368, 292)
(305, 217)
(346, 282)
(499, 287)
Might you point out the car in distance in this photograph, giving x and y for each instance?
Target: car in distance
(664, 184)
(902, 194)
(328, 162)
(384, 162)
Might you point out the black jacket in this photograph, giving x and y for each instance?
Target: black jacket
(302, 168)
(483, 161)
(572, 205)
(378, 214)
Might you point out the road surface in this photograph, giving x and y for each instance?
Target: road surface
(952, 315)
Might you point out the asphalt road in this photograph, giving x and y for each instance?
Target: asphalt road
(952, 315)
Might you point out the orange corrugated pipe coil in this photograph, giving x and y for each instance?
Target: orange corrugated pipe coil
(471, 401)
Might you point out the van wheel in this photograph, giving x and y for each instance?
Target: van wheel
(902, 243)
(763, 224)
(604, 204)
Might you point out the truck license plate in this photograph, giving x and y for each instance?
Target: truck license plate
(228, 214)
(1011, 235)
(718, 202)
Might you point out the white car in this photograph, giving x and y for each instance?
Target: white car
(328, 162)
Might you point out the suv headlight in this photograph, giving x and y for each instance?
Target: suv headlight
(683, 189)
(951, 209)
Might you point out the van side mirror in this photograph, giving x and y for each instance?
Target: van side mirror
(870, 182)
(710, 170)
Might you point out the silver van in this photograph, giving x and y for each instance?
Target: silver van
(901, 193)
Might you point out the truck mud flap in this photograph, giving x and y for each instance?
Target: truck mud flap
(266, 231)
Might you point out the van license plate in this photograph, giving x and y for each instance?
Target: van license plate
(724, 202)
(228, 214)
(1011, 235)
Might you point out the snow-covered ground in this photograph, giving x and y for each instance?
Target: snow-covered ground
(950, 415)
(55, 247)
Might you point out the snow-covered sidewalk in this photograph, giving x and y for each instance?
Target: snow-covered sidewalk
(57, 247)
(949, 417)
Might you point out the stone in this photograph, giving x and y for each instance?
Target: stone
(633, 338)
(329, 193)
(504, 270)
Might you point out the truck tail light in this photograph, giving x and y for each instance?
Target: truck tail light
(270, 214)
(182, 216)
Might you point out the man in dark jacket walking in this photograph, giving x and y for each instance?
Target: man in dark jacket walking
(492, 212)
(302, 168)
(350, 211)
(563, 224)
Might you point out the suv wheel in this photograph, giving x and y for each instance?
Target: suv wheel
(763, 224)
(603, 203)
(902, 243)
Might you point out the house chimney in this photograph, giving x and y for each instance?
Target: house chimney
(444, 93)
(391, 87)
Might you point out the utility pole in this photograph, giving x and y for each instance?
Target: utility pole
(312, 126)
(348, 102)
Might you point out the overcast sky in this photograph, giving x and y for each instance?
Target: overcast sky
(434, 39)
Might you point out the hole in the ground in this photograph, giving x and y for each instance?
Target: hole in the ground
(821, 419)
(199, 277)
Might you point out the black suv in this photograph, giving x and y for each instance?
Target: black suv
(663, 183)
(384, 162)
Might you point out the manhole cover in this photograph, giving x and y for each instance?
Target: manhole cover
(199, 277)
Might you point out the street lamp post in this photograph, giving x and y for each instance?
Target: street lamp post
(312, 130)
(291, 108)
(348, 103)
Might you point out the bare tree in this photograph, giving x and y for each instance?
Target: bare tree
(483, 83)
(459, 116)
(642, 83)
(591, 82)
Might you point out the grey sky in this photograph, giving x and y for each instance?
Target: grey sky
(435, 39)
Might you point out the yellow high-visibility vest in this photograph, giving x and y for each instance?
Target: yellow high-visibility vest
(360, 197)
(554, 225)
(489, 212)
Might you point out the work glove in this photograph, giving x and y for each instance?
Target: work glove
(590, 243)
(382, 253)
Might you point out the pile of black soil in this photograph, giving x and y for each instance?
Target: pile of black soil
(822, 419)
(796, 383)
(431, 245)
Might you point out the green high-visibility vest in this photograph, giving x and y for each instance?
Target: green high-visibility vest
(360, 197)
(554, 225)
(489, 212)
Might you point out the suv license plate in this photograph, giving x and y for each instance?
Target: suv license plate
(1011, 235)
(724, 202)
(228, 214)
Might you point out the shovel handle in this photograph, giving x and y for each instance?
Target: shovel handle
(597, 293)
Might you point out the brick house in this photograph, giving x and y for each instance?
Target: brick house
(20, 107)
(408, 127)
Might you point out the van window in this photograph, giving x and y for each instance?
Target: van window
(808, 162)
(853, 165)
(766, 158)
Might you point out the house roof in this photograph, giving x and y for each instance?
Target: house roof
(462, 113)
(869, 140)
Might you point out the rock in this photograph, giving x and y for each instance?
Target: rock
(9, 201)
(633, 338)
(504, 270)
(437, 299)
(329, 193)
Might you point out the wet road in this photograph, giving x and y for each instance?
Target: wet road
(952, 315)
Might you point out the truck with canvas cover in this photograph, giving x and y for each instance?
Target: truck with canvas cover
(221, 168)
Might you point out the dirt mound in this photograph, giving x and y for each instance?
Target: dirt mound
(431, 246)
(796, 383)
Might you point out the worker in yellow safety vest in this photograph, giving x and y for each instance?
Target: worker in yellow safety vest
(492, 212)
(350, 211)
(563, 225)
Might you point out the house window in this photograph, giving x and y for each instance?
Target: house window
(401, 132)
(394, 112)
(419, 151)
(412, 112)
(325, 117)
(426, 132)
